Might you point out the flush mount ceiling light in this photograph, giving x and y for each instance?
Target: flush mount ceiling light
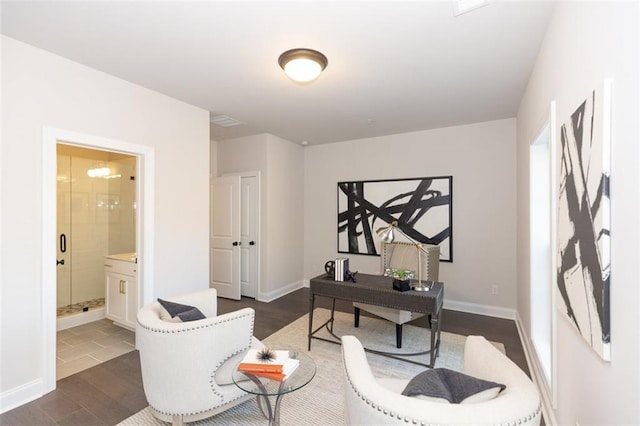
(302, 65)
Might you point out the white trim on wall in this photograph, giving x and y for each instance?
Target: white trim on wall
(476, 308)
(144, 232)
(553, 152)
(537, 374)
(549, 382)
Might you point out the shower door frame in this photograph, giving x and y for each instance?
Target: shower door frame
(144, 230)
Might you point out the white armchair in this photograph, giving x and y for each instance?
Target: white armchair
(376, 401)
(402, 255)
(186, 367)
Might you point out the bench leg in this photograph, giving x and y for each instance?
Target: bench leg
(356, 317)
(398, 336)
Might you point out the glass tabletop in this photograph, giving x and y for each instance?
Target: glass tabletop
(302, 375)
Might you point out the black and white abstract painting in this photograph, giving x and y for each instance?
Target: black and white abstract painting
(583, 275)
(421, 206)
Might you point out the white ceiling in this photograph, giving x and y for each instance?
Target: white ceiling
(394, 67)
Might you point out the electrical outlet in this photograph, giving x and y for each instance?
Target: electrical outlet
(495, 290)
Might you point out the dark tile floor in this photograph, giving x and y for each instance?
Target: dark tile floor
(112, 391)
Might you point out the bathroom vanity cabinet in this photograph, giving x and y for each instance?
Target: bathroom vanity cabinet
(121, 292)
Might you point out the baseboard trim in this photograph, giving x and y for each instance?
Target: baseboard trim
(14, 398)
(471, 308)
(475, 308)
(537, 374)
(273, 295)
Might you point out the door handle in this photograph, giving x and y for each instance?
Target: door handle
(235, 243)
(63, 243)
(252, 243)
(59, 262)
(123, 287)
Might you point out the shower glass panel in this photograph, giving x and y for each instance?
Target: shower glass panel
(95, 217)
(64, 231)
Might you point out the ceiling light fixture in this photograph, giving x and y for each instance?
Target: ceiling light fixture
(302, 65)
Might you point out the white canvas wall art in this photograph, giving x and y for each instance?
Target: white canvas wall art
(583, 276)
(421, 206)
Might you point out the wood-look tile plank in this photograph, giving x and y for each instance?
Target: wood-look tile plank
(100, 404)
(82, 417)
(28, 415)
(122, 390)
(57, 405)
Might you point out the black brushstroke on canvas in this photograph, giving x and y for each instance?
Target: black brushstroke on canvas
(581, 213)
(360, 212)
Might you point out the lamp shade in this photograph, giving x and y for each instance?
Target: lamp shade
(302, 65)
(386, 233)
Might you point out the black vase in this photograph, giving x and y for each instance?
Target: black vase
(401, 285)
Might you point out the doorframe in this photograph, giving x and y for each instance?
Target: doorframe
(255, 174)
(144, 229)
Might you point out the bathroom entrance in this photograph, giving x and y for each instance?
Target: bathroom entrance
(96, 217)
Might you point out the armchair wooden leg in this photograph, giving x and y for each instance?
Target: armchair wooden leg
(176, 421)
(356, 317)
(398, 336)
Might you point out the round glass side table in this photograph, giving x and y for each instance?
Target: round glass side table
(263, 387)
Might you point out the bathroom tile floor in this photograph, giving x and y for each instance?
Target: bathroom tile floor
(87, 345)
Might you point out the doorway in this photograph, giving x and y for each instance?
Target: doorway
(144, 235)
(96, 203)
(234, 235)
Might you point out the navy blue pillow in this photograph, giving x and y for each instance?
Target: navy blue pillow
(184, 312)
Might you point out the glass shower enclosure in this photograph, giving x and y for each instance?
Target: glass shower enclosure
(96, 203)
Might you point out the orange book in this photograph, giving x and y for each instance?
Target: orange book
(260, 368)
(273, 376)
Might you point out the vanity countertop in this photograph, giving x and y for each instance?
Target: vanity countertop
(126, 257)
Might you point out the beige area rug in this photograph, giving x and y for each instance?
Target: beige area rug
(321, 402)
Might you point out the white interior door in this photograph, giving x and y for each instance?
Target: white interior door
(224, 238)
(249, 234)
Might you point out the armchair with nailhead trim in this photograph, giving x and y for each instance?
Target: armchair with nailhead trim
(378, 401)
(187, 366)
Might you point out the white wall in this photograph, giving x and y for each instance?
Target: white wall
(481, 159)
(280, 163)
(285, 209)
(40, 89)
(213, 159)
(585, 43)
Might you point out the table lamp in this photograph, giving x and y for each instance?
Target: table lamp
(387, 234)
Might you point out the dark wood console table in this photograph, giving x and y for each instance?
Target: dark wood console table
(378, 290)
